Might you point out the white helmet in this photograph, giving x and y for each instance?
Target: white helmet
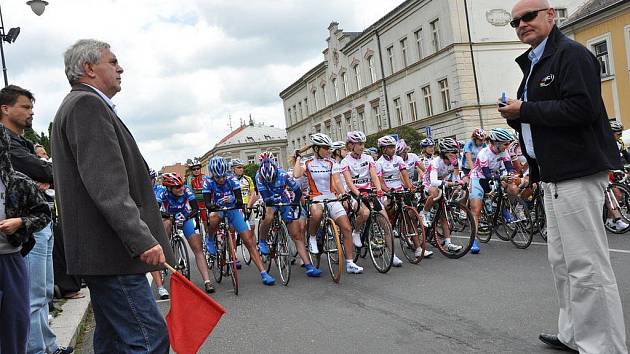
(448, 145)
(500, 135)
(320, 139)
(386, 140)
(338, 145)
(356, 137)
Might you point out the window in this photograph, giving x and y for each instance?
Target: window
(327, 125)
(601, 52)
(357, 76)
(252, 158)
(561, 15)
(390, 58)
(428, 101)
(299, 143)
(335, 89)
(306, 106)
(324, 95)
(412, 106)
(300, 109)
(435, 34)
(295, 114)
(338, 130)
(398, 110)
(361, 116)
(419, 43)
(446, 97)
(376, 114)
(403, 51)
(372, 69)
(315, 101)
(289, 116)
(344, 81)
(349, 126)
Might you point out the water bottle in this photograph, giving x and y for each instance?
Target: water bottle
(488, 204)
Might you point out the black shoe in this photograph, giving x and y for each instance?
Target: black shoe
(209, 288)
(553, 341)
(63, 350)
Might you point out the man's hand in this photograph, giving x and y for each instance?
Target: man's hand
(42, 186)
(153, 256)
(10, 226)
(512, 110)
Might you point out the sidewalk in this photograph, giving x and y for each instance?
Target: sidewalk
(67, 324)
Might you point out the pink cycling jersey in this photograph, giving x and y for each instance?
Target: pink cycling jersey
(390, 170)
(437, 171)
(487, 158)
(359, 170)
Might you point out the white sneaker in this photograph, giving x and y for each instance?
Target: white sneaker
(397, 262)
(356, 239)
(620, 225)
(427, 253)
(352, 268)
(163, 293)
(453, 247)
(312, 245)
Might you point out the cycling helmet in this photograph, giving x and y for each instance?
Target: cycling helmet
(320, 139)
(372, 150)
(616, 126)
(500, 135)
(218, 166)
(172, 179)
(401, 146)
(426, 142)
(386, 140)
(448, 145)
(338, 145)
(356, 137)
(265, 155)
(268, 171)
(237, 162)
(195, 162)
(479, 134)
(152, 173)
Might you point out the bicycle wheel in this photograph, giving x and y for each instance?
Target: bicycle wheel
(484, 233)
(232, 262)
(500, 226)
(209, 258)
(617, 197)
(283, 254)
(380, 242)
(540, 219)
(333, 250)
(521, 236)
(409, 227)
(181, 256)
(463, 236)
(219, 260)
(247, 258)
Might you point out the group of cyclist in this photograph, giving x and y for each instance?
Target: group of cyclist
(336, 170)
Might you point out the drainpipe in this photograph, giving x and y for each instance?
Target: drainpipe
(380, 58)
(472, 57)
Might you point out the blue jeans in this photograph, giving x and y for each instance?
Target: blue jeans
(40, 269)
(14, 304)
(127, 317)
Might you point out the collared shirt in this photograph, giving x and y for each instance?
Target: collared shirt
(107, 100)
(526, 130)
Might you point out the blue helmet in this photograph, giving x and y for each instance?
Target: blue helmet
(268, 171)
(426, 142)
(218, 166)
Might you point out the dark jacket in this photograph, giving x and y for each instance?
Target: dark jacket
(24, 160)
(22, 199)
(103, 190)
(569, 124)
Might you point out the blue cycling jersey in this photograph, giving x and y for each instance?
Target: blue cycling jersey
(219, 191)
(157, 190)
(173, 205)
(472, 148)
(278, 188)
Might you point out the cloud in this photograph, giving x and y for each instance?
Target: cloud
(189, 65)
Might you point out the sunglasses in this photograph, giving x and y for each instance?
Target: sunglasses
(196, 169)
(527, 17)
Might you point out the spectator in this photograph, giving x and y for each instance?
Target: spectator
(111, 223)
(560, 107)
(22, 211)
(16, 113)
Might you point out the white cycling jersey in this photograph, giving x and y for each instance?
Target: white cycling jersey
(412, 162)
(319, 175)
(487, 158)
(390, 170)
(437, 171)
(359, 170)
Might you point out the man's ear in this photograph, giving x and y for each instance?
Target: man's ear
(87, 70)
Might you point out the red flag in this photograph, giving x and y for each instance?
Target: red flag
(193, 315)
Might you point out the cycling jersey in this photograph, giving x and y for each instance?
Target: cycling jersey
(278, 188)
(359, 170)
(425, 160)
(487, 158)
(473, 149)
(514, 150)
(196, 184)
(439, 171)
(158, 189)
(174, 205)
(412, 162)
(247, 185)
(218, 191)
(390, 170)
(319, 174)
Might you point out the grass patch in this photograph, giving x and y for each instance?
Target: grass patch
(85, 327)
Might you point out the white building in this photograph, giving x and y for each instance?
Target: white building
(412, 67)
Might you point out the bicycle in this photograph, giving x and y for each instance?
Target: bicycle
(278, 242)
(491, 218)
(617, 197)
(328, 239)
(376, 235)
(407, 226)
(223, 264)
(182, 262)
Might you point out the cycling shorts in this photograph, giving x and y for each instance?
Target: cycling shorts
(287, 213)
(335, 209)
(189, 227)
(236, 219)
(477, 190)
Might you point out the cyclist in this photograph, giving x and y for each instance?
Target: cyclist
(471, 150)
(613, 219)
(392, 172)
(411, 160)
(428, 149)
(272, 184)
(158, 188)
(322, 173)
(195, 181)
(488, 165)
(438, 172)
(224, 191)
(178, 201)
(617, 129)
(248, 189)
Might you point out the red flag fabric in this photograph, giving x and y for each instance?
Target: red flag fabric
(192, 316)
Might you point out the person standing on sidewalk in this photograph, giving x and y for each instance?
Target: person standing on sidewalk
(558, 110)
(16, 113)
(111, 223)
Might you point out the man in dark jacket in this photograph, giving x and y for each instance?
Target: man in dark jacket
(560, 111)
(22, 212)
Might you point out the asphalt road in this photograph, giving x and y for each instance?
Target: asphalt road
(494, 302)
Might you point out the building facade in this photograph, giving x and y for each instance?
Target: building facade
(603, 26)
(416, 67)
(178, 168)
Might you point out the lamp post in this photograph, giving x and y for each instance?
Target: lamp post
(38, 7)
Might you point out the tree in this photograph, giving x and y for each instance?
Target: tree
(411, 136)
(250, 169)
(41, 138)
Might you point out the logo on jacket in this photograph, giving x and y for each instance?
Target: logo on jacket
(547, 80)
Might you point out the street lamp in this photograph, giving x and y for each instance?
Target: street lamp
(38, 7)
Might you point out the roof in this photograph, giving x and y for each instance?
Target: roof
(252, 133)
(589, 9)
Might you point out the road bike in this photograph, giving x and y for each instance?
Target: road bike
(277, 240)
(224, 263)
(407, 225)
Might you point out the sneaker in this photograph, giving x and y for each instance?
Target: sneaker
(620, 225)
(312, 272)
(453, 247)
(238, 264)
(262, 246)
(352, 268)
(396, 262)
(63, 350)
(211, 247)
(356, 239)
(507, 216)
(475, 247)
(312, 245)
(611, 224)
(267, 279)
(427, 253)
(208, 286)
(163, 293)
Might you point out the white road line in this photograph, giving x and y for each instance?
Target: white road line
(614, 250)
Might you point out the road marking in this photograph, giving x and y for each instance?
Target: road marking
(614, 250)
(165, 300)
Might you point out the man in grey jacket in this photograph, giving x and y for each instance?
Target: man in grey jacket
(112, 227)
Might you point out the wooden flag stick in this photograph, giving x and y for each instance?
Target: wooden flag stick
(170, 268)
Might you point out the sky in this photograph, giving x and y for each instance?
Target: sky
(189, 64)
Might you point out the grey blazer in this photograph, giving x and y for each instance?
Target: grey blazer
(109, 212)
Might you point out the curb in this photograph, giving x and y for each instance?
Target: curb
(66, 326)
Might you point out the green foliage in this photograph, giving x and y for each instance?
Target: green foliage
(411, 136)
(40, 138)
(250, 169)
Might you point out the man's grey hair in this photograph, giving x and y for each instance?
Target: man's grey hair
(83, 51)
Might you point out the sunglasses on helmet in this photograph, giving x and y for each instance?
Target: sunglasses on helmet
(527, 17)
